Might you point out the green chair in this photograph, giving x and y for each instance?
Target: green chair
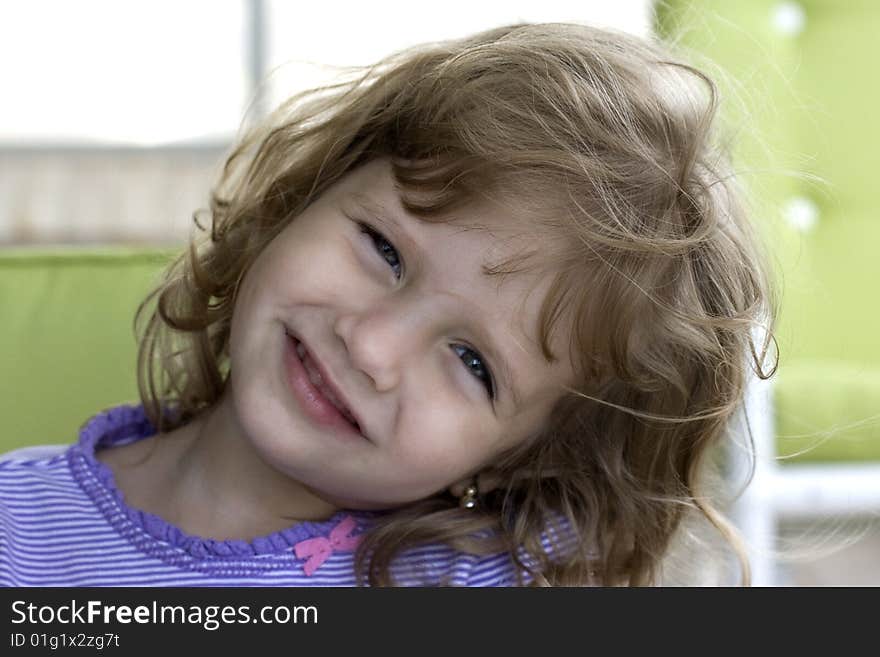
(67, 345)
(808, 144)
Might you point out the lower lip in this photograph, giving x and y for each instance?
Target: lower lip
(310, 399)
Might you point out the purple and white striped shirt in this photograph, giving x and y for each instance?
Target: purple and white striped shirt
(63, 522)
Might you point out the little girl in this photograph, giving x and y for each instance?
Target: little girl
(479, 317)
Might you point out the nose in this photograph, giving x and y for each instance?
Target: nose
(386, 337)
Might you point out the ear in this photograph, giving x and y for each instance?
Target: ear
(487, 480)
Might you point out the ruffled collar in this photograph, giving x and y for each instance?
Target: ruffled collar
(125, 424)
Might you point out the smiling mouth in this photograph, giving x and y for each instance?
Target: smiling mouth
(314, 392)
(318, 381)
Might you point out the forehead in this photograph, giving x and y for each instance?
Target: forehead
(489, 262)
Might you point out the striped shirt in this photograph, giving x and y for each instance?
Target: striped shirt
(64, 523)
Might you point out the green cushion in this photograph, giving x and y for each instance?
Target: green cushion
(68, 346)
(827, 411)
(796, 91)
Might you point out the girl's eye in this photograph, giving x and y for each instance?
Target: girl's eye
(385, 249)
(472, 360)
(477, 366)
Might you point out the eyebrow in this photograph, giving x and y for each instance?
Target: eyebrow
(390, 218)
(393, 219)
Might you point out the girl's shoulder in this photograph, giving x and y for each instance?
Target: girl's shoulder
(30, 466)
(114, 426)
(29, 471)
(32, 454)
(440, 564)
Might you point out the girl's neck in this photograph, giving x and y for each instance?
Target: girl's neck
(206, 478)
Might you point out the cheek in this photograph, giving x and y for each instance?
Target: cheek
(318, 270)
(444, 439)
(246, 304)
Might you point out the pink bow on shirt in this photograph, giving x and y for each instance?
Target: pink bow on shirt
(316, 550)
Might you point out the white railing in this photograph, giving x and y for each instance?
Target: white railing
(793, 492)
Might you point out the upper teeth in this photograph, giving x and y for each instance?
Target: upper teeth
(318, 381)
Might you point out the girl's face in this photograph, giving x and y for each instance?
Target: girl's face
(429, 367)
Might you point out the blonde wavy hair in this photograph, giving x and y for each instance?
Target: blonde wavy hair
(606, 140)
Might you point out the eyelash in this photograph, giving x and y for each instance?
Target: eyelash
(377, 238)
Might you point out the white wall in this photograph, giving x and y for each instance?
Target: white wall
(165, 70)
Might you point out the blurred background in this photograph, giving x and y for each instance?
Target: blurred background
(117, 116)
